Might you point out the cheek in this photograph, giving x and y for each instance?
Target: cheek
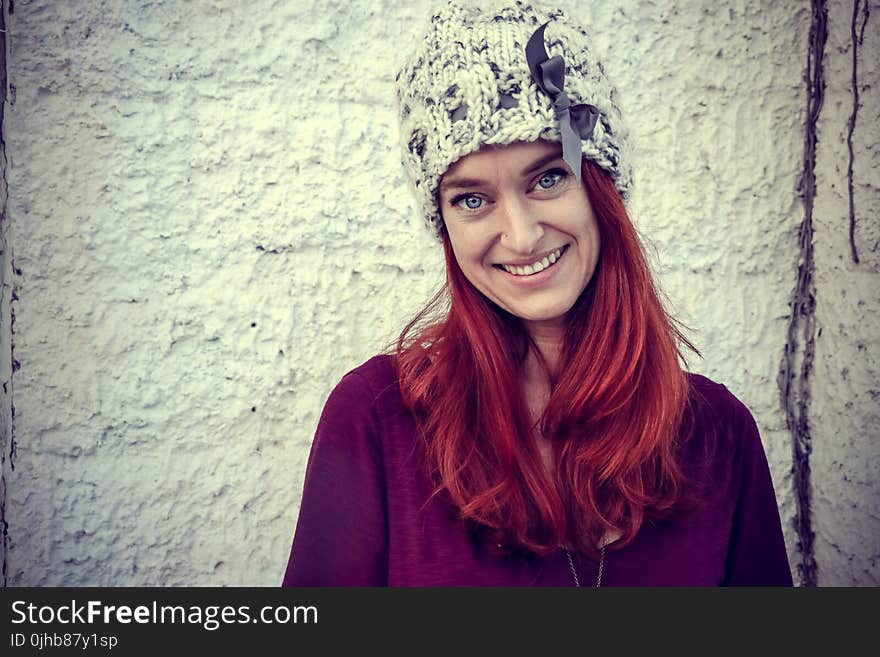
(467, 247)
(469, 261)
(590, 231)
(458, 247)
(596, 239)
(460, 254)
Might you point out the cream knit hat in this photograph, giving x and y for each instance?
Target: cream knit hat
(470, 84)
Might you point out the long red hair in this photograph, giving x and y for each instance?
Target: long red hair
(614, 417)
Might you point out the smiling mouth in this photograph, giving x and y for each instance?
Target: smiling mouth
(535, 267)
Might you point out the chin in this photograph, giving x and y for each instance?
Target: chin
(551, 315)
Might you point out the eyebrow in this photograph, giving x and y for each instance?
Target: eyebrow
(467, 183)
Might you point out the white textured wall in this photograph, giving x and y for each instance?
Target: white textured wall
(208, 225)
(846, 378)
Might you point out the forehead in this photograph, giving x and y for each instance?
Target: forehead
(517, 154)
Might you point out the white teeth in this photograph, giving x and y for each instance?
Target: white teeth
(535, 267)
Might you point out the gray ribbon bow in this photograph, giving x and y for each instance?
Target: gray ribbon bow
(576, 122)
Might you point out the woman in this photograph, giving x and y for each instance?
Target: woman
(538, 427)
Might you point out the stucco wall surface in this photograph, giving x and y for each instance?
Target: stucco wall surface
(209, 225)
(846, 380)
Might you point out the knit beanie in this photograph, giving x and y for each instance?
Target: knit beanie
(470, 83)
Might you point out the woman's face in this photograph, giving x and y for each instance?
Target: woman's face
(521, 228)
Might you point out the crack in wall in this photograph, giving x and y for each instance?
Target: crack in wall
(793, 381)
(858, 38)
(7, 413)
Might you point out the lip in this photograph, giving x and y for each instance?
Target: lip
(538, 258)
(535, 279)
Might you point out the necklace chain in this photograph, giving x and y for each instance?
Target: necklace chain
(574, 575)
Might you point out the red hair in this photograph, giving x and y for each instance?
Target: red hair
(614, 417)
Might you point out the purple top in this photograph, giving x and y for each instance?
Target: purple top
(364, 520)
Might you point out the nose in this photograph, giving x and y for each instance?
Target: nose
(521, 230)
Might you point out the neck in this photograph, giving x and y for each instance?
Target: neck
(536, 378)
(547, 339)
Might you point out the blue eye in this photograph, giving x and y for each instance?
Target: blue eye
(550, 179)
(468, 202)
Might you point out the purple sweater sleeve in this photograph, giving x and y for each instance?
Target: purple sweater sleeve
(756, 554)
(341, 536)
